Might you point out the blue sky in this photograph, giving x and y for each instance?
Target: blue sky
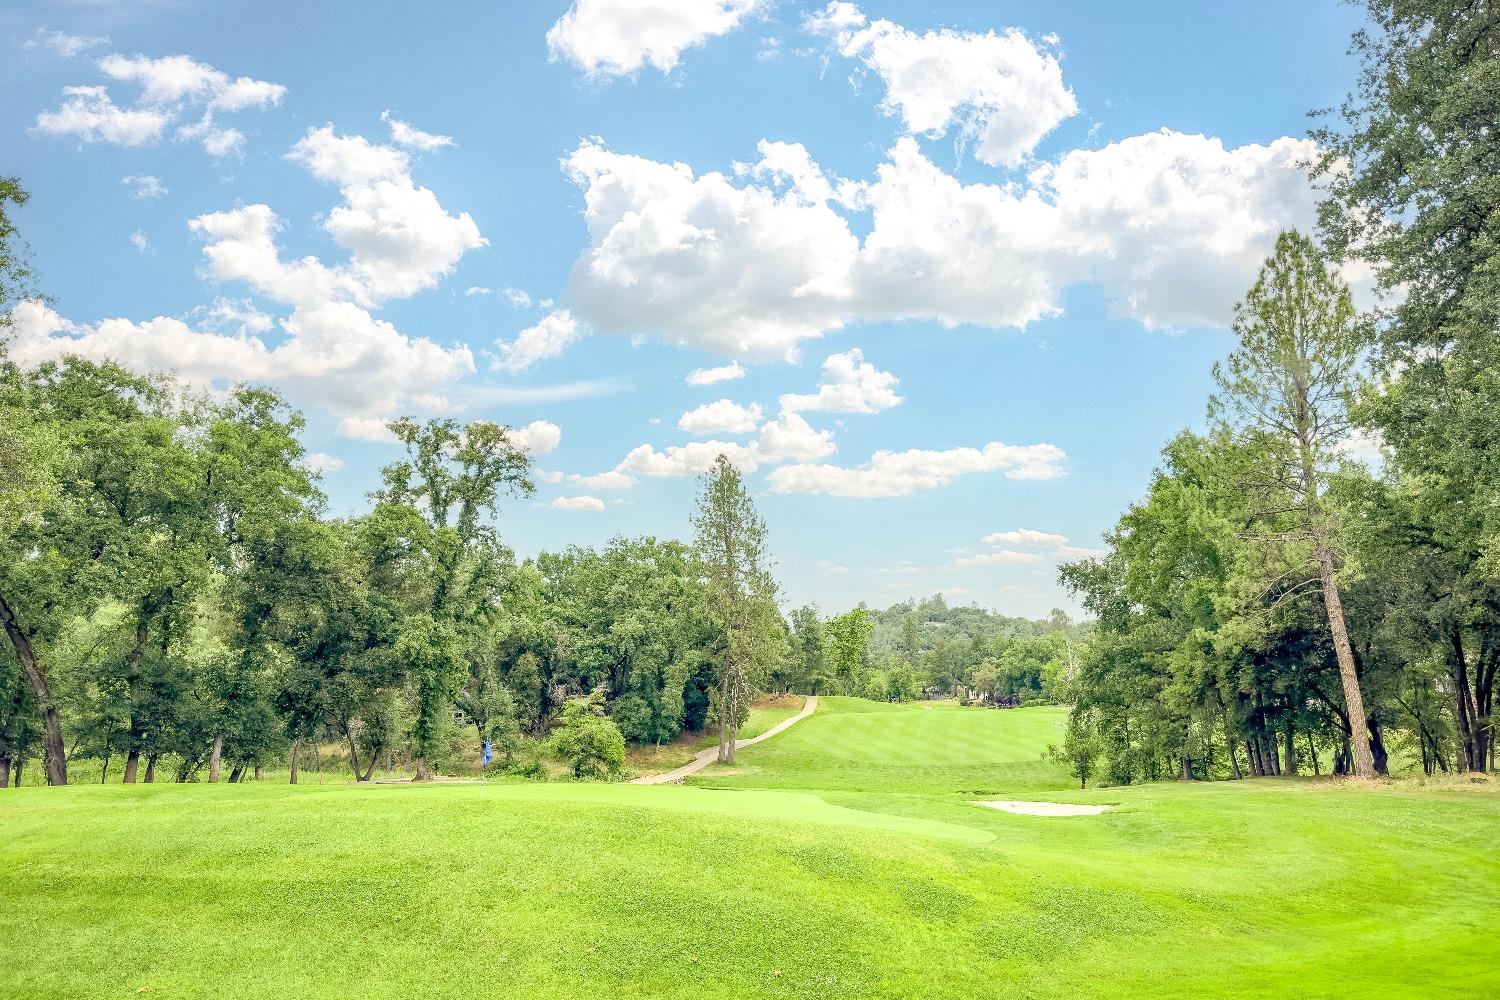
(969, 262)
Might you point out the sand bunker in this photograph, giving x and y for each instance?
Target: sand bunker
(1045, 808)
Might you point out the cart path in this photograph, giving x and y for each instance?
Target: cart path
(707, 757)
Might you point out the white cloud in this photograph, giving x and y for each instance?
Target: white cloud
(145, 185)
(139, 241)
(63, 44)
(547, 338)
(321, 461)
(517, 298)
(723, 416)
(791, 438)
(1025, 536)
(578, 503)
(612, 480)
(538, 437)
(1004, 92)
(1004, 557)
(1173, 227)
(334, 354)
(1074, 552)
(476, 290)
(828, 567)
(618, 37)
(852, 385)
(689, 459)
(708, 376)
(328, 350)
(89, 115)
(890, 474)
(403, 134)
(1363, 446)
(170, 86)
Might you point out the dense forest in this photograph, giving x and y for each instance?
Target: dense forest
(1272, 605)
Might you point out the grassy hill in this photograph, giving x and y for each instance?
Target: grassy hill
(843, 858)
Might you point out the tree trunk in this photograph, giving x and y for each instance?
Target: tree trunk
(214, 756)
(296, 746)
(1354, 701)
(1378, 756)
(1290, 766)
(236, 773)
(132, 765)
(353, 751)
(1470, 757)
(20, 766)
(725, 748)
(422, 772)
(54, 755)
(4, 771)
(133, 693)
(1312, 752)
(1186, 767)
(150, 768)
(370, 771)
(258, 774)
(104, 770)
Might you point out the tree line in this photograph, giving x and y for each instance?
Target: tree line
(1271, 605)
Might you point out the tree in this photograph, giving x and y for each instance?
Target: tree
(1285, 393)
(588, 742)
(1080, 747)
(447, 564)
(808, 649)
(849, 644)
(1410, 160)
(731, 547)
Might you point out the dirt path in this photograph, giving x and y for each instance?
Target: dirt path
(707, 757)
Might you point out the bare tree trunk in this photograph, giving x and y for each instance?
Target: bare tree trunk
(4, 771)
(725, 748)
(214, 757)
(422, 772)
(20, 766)
(296, 746)
(259, 775)
(1359, 743)
(54, 754)
(133, 692)
(150, 768)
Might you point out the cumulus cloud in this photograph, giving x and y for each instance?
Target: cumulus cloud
(617, 37)
(1173, 226)
(891, 474)
(1004, 92)
(723, 416)
(516, 297)
(1025, 536)
(578, 503)
(611, 480)
(321, 461)
(538, 437)
(327, 349)
(90, 115)
(403, 134)
(145, 186)
(170, 88)
(140, 242)
(851, 385)
(708, 376)
(545, 339)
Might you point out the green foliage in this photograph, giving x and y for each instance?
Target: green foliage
(848, 645)
(588, 742)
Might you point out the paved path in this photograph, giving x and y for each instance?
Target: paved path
(707, 757)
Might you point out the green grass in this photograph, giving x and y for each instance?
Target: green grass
(844, 854)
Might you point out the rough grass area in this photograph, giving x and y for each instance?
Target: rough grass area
(844, 859)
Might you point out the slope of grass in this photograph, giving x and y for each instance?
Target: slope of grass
(788, 880)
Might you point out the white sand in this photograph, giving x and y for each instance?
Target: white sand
(1045, 808)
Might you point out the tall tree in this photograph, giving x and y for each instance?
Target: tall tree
(731, 546)
(1285, 394)
(434, 508)
(1410, 159)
